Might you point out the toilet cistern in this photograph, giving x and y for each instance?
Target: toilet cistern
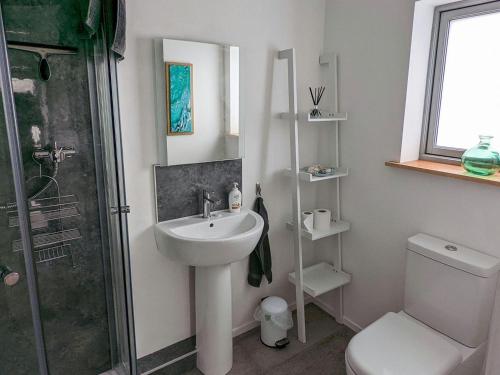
(443, 329)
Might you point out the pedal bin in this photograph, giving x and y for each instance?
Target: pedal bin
(275, 320)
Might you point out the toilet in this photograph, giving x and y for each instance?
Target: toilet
(443, 328)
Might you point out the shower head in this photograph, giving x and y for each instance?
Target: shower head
(44, 51)
(9, 277)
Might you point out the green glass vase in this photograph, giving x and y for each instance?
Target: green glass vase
(480, 159)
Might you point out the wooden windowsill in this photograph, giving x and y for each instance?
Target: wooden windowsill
(447, 170)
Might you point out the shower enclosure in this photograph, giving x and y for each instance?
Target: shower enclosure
(65, 299)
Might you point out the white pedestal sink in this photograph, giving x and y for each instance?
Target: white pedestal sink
(211, 245)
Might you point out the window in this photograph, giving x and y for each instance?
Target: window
(463, 90)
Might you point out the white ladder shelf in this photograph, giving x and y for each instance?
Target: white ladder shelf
(322, 277)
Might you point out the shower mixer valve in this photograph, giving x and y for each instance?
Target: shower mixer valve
(56, 155)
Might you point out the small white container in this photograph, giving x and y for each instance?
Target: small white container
(235, 199)
(275, 320)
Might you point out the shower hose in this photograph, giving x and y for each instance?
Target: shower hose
(8, 206)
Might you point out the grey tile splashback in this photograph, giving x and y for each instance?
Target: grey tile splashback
(178, 187)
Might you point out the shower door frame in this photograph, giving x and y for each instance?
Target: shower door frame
(110, 191)
(106, 60)
(123, 357)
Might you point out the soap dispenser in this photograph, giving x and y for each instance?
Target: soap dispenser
(235, 199)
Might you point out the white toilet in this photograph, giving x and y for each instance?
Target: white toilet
(443, 329)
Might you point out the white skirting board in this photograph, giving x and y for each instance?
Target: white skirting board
(245, 328)
(345, 320)
(352, 325)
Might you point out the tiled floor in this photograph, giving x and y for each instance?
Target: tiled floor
(322, 354)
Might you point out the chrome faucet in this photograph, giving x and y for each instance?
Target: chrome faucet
(208, 200)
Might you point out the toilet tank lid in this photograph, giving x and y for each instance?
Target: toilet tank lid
(454, 255)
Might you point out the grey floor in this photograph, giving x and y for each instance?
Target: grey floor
(322, 354)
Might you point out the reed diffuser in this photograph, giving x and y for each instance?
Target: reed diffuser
(316, 98)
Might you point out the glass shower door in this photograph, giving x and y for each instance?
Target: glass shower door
(59, 158)
(69, 228)
(22, 349)
(17, 338)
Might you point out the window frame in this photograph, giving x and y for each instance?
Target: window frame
(443, 15)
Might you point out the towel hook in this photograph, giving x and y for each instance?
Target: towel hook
(258, 189)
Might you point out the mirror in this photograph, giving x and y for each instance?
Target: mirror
(198, 102)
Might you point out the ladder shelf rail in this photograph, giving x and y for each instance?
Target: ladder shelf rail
(321, 277)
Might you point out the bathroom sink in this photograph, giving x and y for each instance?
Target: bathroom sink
(225, 238)
(211, 245)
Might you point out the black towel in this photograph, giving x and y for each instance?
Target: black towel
(260, 259)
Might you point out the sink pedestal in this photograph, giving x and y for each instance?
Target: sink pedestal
(214, 337)
(211, 246)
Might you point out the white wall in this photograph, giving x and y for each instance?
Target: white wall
(163, 296)
(384, 205)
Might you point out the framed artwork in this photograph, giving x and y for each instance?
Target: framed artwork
(179, 84)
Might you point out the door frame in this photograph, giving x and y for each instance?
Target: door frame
(124, 302)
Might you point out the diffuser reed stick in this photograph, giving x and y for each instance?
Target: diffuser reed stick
(316, 98)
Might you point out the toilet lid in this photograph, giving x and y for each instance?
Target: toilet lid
(394, 345)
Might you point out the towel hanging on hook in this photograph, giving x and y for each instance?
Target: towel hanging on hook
(92, 18)
(260, 260)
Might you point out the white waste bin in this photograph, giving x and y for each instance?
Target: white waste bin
(275, 320)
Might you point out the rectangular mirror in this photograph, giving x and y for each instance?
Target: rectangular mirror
(198, 102)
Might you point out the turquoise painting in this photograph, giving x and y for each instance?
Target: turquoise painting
(179, 98)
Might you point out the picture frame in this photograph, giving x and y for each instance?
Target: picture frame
(179, 98)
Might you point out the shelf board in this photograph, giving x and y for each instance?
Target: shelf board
(308, 177)
(321, 278)
(326, 117)
(446, 170)
(336, 227)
